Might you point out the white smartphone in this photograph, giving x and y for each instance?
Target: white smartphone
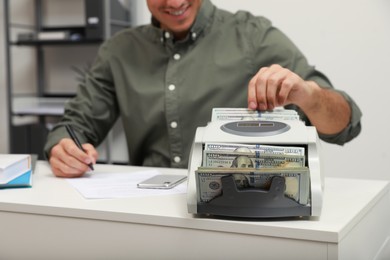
(162, 181)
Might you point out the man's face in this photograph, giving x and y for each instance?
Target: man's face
(176, 16)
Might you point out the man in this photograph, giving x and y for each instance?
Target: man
(164, 79)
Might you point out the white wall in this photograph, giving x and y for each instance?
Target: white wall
(349, 41)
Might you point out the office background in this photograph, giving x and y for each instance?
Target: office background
(348, 40)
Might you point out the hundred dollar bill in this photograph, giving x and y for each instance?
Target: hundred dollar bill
(210, 185)
(234, 159)
(255, 148)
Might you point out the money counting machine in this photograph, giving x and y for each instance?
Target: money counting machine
(268, 201)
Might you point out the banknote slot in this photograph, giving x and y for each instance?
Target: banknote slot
(253, 202)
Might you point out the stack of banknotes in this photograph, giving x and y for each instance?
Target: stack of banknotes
(252, 165)
(236, 114)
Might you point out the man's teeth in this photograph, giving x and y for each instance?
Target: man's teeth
(178, 12)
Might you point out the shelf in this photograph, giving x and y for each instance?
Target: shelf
(38, 106)
(71, 36)
(57, 42)
(63, 28)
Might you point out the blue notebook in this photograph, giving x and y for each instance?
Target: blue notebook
(23, 181)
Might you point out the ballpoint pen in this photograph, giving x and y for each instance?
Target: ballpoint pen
(76, 140)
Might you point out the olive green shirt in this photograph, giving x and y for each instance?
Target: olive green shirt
(163, 89)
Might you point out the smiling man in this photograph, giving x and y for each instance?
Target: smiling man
(163, 79)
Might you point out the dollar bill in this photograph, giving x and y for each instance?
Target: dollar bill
(210, 185)
(234, 159)
(255, 148)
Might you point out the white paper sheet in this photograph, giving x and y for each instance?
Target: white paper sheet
(120, 185)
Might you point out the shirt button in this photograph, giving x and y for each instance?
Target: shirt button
(193, 35)
(177, 159)
(173, 124)
(167, 35)
(176, 56)
(171, 87)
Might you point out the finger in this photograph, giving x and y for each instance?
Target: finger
(256, 98)
(274, 84)
(91, 151)
(59, 173)
(261, 87)
(60, 169)
(291, 80)
(74, 151)
(252, 101)
(285, 92)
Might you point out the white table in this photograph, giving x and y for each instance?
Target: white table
(53, 221)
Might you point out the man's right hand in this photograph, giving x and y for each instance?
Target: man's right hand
(67, 160)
